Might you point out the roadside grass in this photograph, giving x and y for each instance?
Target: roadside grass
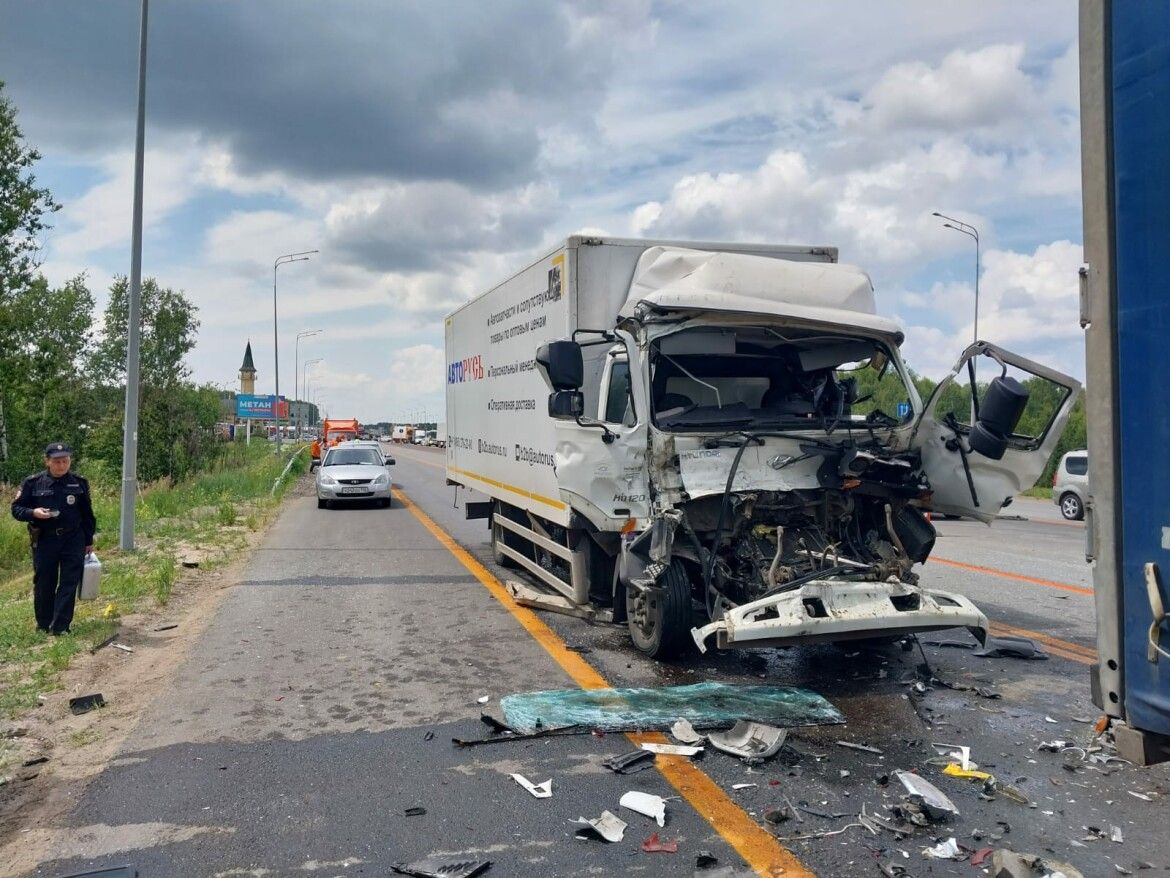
(199, 517)
(1038, 491)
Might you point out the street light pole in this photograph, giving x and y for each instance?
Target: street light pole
(296, 369)
(305, 377)
(973, 233)
(134, 314)
(301, 256)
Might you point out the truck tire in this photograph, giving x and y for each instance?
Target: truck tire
(665, 627)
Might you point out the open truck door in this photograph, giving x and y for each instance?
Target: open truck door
(975, 469)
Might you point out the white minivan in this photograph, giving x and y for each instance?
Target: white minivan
(1070, 484)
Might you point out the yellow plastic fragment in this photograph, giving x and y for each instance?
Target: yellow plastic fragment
(956, 770)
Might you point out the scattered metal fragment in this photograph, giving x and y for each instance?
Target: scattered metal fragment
(1115, 835)
(85, 703)
(540, 791)
(944, 850)
(1011, 647)
(1053, 746)
(751, 741)
(608, 827)
(953, 644)
(672, 749)
(936, 804)
(416, 811)
(683, 731)
(443, 867)
(543, 733)
(628, 763)
(654, 845)
(1141, 796)
(816, 812)
(1009, 864)
(646, 804)
(959, 752)
(865, 748)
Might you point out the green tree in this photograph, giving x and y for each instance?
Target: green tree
(169, 329)
(24, 207)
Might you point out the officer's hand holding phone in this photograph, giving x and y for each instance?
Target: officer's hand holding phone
(42, 513)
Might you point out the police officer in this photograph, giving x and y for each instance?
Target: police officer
(57, 507)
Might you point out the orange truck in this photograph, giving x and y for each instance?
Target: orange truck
(333, 431)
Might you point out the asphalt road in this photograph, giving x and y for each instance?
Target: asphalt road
(322, 700)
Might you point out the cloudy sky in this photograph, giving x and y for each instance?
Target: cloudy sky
(428, 149)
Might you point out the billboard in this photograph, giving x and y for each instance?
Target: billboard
(262, 407)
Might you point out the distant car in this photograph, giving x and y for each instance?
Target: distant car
(354, 471)
(1070, 484)
(384, 439)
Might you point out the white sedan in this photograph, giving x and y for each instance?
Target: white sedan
(354, 472)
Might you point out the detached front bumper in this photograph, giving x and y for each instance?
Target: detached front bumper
(828, 610)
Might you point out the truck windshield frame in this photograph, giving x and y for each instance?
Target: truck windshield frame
(776, 378)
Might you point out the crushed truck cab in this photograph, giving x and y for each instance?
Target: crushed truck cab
(726, 435)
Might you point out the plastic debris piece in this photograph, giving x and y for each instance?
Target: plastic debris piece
(608, 827)
(647, 804)
(1053, 746)
(122, 647)
(1141, 796)
(980, 856)
(752, 741)
(961, 753)
(628, 763)
(865, 748)
(443, 867)
(540, 791)
(779, 815)
(1011, 792)
(705, 860)
(1115, 835)
(85, 703)
(654, 845)
(416, 811)
(672, 749)
(1009, 864)
(955, 770)
(933, 800)
(1010, 647)
(1049, 719)
(743, 786)
(558, 732)
(483, 699)
(944, 850)
(683, 731)
(706, 705)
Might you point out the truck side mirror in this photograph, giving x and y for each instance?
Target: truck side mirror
(561, 364)
(1002, 408)
(566, 405)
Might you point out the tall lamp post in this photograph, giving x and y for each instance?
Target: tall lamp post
(297, 371)
(973, 233)
(134, 315)
(285, 259)
(305, 376)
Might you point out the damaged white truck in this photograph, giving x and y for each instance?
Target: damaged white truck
(721, 443)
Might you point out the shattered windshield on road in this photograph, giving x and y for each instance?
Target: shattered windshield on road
(761, 377)
(352, 457)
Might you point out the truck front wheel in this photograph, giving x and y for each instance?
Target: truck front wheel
(660, 620)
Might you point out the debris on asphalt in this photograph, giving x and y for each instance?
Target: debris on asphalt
(750, 741)
(608, 827)
(958, 752)
(816, 812)
(443, 867)
(1053, 746)
(558, 732)
(41, 760)
(1141, 796)
(167, 627)
(85, 703)
(672, 749)
(743, 786)
(122, 647)
(978, 858)
(654, 845)
(1010, 647)
(684, 732)
(540, 790)
(865, 748)
(1115, 835)
(945, 850)
(1009, 864)
(936, 804)
(646, 804)
(628, 763)
(429, 736)
(708, 705)
(705, 860)
(483, 699)
(779, 815)
(93, 649)
(416, 811)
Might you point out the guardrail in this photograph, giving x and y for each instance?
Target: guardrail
(288, 466)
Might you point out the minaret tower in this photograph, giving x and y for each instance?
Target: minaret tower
(248, 372)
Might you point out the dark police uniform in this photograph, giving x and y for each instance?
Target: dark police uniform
(59, 553)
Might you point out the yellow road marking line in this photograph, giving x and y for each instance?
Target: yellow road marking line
(759, 848)
(1018, 577)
